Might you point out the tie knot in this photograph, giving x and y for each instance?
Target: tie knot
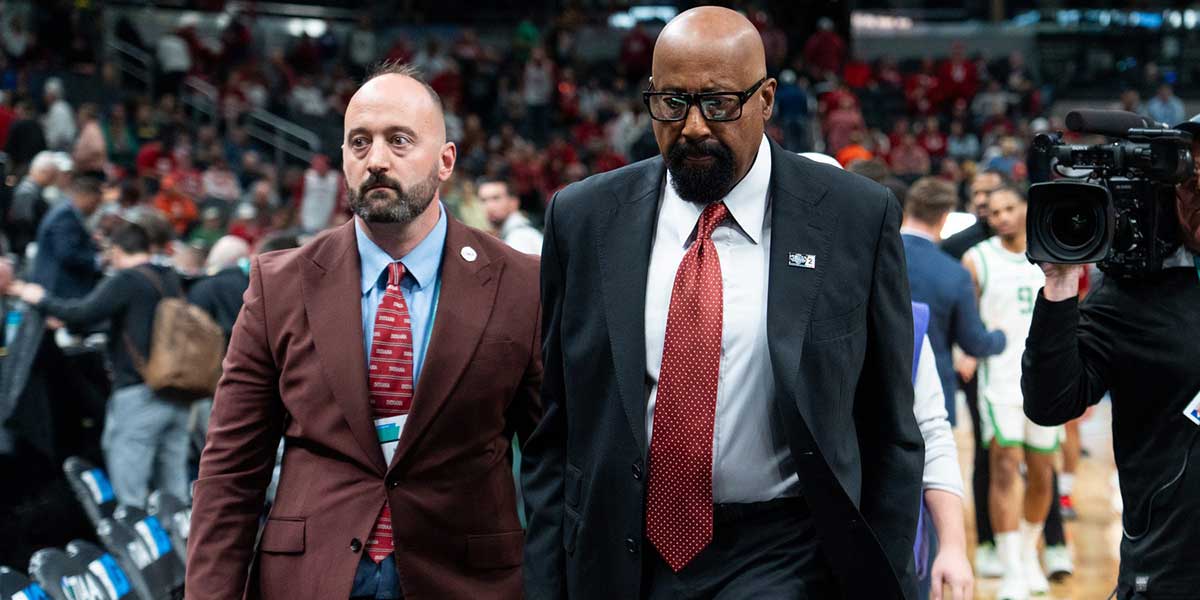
(395, 273)
(709, 219)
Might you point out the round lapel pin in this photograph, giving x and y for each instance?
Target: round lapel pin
(468, 254)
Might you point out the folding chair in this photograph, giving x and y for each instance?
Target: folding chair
(165, 565)
(175, 516)
(103, 566)
(132, 556)
(92, 487)
(14, 585)
(64, 577)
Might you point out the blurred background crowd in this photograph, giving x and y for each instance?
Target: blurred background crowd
(216, 126)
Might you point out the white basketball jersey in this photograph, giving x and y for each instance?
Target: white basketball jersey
(1009, 287)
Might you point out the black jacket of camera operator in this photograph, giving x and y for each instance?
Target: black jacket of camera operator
(1139, 340)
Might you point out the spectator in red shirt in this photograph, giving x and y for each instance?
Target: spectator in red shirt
(7, 116)
(932, 139)
(909, 160)
(841, 124)
(825, 51)
(957, 76)
(636, 51)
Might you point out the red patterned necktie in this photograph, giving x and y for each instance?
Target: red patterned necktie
(679, 502)
(390, 376)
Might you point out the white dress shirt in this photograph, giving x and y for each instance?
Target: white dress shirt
(929, 407)
(751, 459)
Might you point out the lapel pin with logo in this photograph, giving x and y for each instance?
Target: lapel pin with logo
(468, 254)
(804, 261)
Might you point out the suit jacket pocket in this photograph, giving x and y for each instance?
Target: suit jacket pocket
(570, 531)
(830, 328)
(496, 550)
(283, 536)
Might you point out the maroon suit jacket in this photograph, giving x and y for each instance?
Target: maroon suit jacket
(296, 368)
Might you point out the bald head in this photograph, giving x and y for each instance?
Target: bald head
(395, 153)
(711, 50)
(721, 39)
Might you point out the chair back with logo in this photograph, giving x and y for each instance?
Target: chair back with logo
(64, 577)
(104, 567)
(92, 487)
(175, 515)
(131, 554)
(14, 585)
(165, 564)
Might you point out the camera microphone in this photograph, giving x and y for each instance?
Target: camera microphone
(1112, 123)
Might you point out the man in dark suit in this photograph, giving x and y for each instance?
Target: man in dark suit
(729, 408)
(66, 264)
(396, 355)
(942, 283)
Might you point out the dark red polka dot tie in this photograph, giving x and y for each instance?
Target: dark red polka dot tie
(679, 503)
(390, 375)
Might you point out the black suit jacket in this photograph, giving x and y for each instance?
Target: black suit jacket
(840, 345)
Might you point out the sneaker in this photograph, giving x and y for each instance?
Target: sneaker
(1058, 562)
(1035, 579)
(987, 562)
(1013, 587)
(1068, 507)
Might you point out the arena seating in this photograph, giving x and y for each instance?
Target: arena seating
(91, 487)
(175, 516)
(64, 577)
(104, 567)
(16, 586)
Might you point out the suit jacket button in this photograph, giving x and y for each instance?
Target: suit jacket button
(631, 545)
(393, 484)
(355, 545)
(637, 471)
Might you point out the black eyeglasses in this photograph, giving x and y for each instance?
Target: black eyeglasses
(715, 106)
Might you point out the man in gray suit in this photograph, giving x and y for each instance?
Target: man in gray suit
(729, 409)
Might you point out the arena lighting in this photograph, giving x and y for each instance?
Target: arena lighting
(1189, 18)
(312, 27)
(627, 19)
(877, 22)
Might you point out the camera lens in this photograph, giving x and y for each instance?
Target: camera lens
(1074, 224)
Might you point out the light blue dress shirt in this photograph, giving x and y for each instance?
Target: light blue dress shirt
(419, 287)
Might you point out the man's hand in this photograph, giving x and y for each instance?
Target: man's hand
(1062, 281)
(951, 568)
(31, 293)
(965, 367)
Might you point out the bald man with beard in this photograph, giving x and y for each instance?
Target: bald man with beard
(729, 408)
(396, 355)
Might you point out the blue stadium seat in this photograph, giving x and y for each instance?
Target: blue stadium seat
(103, 566)
(14, 585)
(165, 566)
(91, 487)
(175, 515)
(64, 577)
(134, 558)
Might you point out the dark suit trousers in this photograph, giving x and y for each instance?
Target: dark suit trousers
(762, 551)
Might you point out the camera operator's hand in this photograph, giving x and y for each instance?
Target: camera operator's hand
(1062, 281)
(1187, 204)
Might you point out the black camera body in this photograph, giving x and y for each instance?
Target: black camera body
(1121, 214)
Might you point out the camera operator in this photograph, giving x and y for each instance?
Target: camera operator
(1138, 339)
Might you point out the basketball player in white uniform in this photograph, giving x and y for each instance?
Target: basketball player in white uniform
(1008, 285)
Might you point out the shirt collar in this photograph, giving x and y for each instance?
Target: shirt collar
(747, 201)
(421, 263)
(916, 233)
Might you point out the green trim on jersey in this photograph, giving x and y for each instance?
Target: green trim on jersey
(981, 272)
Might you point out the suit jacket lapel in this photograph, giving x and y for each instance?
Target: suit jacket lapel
(625, 240)
(799, 225)
(467, 295)
(333, 302)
